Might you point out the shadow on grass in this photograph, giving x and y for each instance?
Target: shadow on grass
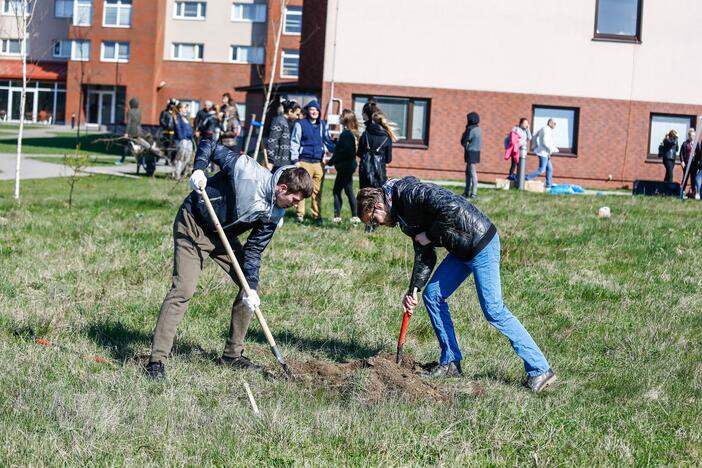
(333, 349)
(125, 343)
(65, 144)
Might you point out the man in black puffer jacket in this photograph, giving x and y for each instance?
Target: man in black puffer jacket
(435, 217)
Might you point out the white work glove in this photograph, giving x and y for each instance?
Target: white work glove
(252, 301)
(198, 180)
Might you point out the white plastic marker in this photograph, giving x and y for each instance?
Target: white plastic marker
(694, 145)
(251, 398)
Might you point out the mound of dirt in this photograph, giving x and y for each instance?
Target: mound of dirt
(374, 379)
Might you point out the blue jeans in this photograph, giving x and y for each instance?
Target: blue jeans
(544, 166)
(698, 180)
(486, 270)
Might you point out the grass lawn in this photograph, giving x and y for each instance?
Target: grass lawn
(615, 305)
(60, 143)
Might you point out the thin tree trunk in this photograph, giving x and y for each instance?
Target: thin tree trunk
(23, 97)
(276, 48)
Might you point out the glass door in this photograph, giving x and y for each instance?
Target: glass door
(107, 108)
(91, 107)
(16, 96)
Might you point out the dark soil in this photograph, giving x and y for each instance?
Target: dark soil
(377, 378)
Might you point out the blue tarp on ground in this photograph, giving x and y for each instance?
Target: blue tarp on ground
(566, 189)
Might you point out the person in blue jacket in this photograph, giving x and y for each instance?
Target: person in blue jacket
(309, 143)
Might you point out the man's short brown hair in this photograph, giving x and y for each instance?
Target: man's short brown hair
(366, 199)
(298, 180)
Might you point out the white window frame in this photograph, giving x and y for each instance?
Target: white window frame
(121, 7)
(285, 21)
(65, 3)
(74, 56)
(289, 53)
(201, 11)
(250, 50)
(659, 124)
(7, 9)
(118, 45)
(5, 47)
(177, 45)
(566, 134)
(85, 4)
(259, 15)
(65, 47)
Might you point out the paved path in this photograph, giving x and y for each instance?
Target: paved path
(33, 169)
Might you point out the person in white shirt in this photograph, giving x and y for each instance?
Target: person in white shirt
(544, 147)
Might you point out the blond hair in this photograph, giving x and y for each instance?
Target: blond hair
(380, 119)
(349, 121)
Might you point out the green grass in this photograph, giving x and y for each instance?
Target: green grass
(61, 143)
(614, 304)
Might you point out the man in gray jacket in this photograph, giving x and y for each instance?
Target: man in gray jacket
(246, 198)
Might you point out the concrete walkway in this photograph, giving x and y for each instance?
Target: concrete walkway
(33, 169)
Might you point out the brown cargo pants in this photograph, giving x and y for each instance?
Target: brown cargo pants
(191, 247)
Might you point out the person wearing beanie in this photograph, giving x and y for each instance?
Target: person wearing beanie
(309, 143)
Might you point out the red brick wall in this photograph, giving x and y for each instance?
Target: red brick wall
(286, 41)
(613, 135)
(202, 81)
(140, 76)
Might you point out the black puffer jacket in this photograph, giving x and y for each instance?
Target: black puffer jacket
(669, 148)
(448, 220)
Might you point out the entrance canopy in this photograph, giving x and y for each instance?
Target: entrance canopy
(44, 71)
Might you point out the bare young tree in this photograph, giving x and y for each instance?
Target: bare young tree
(276, 49)
(23, 10)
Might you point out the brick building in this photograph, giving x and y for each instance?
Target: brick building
(98, 54)
(615, 74)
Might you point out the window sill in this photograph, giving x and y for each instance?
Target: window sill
(186, 60)
(116, 26)
(288, 77)
(560, 155)
(292, 34)
(620, 39)
(410, 145)
(188, 19)
(113, 61)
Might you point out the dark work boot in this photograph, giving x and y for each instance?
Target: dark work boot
(540, 382)
(155, 370)
(452, 369)
(240, 362)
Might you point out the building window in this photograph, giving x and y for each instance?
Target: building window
(82, 12)
(241, 110)
(16, 7)
(80, 50)
(618, 20)
(11, 47)
(114, 52)
(117, 14)
(192, 105)
(293, 20)
(190, 10)
(566, 132)
(250, 12)
(62, 48)
(661, 124)
(181, 51)
(289, 63)
(247, 54)
(410, 116)
(63, 8)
